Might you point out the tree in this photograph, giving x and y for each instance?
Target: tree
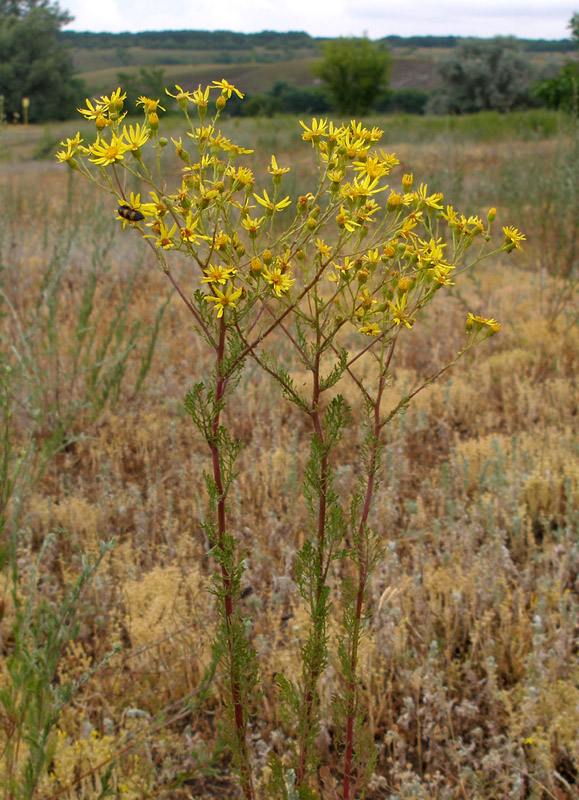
(33, 63)
(483, 75)
(562, 91)
(355, 71)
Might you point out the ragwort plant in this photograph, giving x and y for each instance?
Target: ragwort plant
(342, 272)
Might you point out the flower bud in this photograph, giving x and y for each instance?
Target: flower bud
(407, 181)
(163, 142)
(153, 121)
(256, 265)
(221, 102)
(491, 216)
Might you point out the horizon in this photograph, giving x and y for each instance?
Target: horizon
(68, 29)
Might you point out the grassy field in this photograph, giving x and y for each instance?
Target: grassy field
(471, 661)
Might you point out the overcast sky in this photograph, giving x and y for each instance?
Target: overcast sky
(528, 19)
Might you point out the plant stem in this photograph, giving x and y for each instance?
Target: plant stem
(227, 577)
(318, 614)
(363, 570)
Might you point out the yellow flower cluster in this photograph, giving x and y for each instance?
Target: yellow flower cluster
(387, 250)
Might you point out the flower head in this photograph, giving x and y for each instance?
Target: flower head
(181, 96)
(72, 147)
(218, 274)
(315, 133)
(270, 205)
(513, 238)
(226, 88)
(279, 280)
(135, 137)
(224, 299)
(105, 153)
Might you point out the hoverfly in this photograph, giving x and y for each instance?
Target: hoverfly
(130, 214)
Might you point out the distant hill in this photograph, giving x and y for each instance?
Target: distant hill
(257, 61)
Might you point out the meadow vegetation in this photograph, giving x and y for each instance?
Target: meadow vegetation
(470, 664)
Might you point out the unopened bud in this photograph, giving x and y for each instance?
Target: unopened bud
(491, 216)
(407, 181)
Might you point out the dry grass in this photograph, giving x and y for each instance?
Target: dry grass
(471, 661)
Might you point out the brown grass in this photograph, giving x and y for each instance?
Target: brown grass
(471, 659)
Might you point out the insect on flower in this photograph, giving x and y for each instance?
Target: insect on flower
(130, 214)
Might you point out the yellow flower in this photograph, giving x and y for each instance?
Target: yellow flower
(422, 198)
(135, 137)
(315, 133)
(513, 237)
(395, 200)
(182, 97)
(370, 329)
(114, 103)
(226, 88)
(218, 274)
(277, 172)
(269, 204)
(366, 300)
(280, 281)
(92, 112)
(150, 106)
(399, 313)
(323, 248)
(252, 226)
(476, 323)
(232, 149)
(345, 221)
(108, 153)
(363, 188)
(224, 299)
(376, 166)
(72, 147)
(345, 267)
(187, 232)
(164, 238)
(240, 177)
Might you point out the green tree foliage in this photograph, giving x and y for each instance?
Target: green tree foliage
(484, 75)
(562, 91)
(33, 63)
(355, 71)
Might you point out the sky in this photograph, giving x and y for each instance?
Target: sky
(527, 19)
